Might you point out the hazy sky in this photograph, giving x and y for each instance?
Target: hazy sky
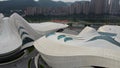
(2, 0)
(63, 0)
(71, 0)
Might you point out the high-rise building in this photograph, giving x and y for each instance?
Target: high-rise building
(81, 7)
(106, 7)
(85, 7)
(30, 11)
(76, 8)
(114, 7)
(99, 6)
(39, 11)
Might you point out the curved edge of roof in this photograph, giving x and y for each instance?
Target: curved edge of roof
(88, 31)
(117, 38)
(107, 26)
(1, 15)
(51, 48)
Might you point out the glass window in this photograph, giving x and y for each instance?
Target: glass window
(49, 34)
(68, 39)
(61, 36)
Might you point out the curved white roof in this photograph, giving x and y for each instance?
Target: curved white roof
(46, 26)
(15, 32)
(54, 51)
(22, 24)
(10, 39)
(1, 15)
(96, 41)
(72, 40)
(117, 38)
(88, 32)
(60, 49)
(110, 29)
(71, 52)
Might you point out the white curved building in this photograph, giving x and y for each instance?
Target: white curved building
(89, 49)
(47, 27)
(16, 35)
(110, 29)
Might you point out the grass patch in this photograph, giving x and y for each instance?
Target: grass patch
(41, 66)
(30, 49)
(29, 63)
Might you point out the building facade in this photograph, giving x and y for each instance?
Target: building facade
(99, 6)
(114, 6)
(96, 7)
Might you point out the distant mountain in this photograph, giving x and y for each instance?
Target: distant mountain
(7, 7)
(50, 3)
(21, 4)
(16, 4)
(69, 3)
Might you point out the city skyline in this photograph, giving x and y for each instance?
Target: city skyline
(98, 7)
